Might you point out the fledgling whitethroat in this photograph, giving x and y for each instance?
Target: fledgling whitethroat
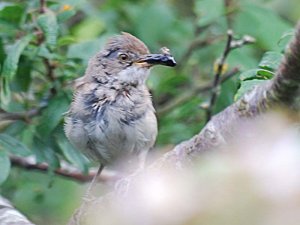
(111, 118)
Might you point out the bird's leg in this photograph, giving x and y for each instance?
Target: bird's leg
(142, 160)
(122, 185)
(87, 198)
(88, 194)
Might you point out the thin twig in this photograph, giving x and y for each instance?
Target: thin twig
(70, 173)
(50, 74)
(42, 6)
(218, 74)
(170, 105)
(49, 66)
(50, 69)
(230, 45)
(25, 116)
(230, 8)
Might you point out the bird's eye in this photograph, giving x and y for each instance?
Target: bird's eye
(123, 57)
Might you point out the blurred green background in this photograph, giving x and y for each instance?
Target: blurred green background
(42, 53)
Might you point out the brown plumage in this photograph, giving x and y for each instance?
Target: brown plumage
(111, 118)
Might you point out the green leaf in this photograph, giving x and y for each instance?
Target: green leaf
(209, 11)
(150, 30)
(12, 13)
(88, 29)
(65, 15)
(262, 23)
(247, 86)
(44, 152)
(38, 150)
(271, 61)
(4, 166)
(226, 96)
(43, 51)
(53, 114)
(27, 134)
(256, 74)
(10, 67)
(265, 74)
(11, 62)
(22, 79)
(286, 38)
(248, 74)
(84, 50)
(5, 94)
(16, 128)
(71, 154)
(48, 24)
(13, 145)
(2, 52)
(66, 40)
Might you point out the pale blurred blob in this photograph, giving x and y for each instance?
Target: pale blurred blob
(254, 180)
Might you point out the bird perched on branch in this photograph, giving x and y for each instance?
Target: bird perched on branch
(111, 118)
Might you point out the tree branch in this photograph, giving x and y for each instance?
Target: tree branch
(50, 74)
(230, 45)
(42, 6)
(9, 215)
(25, 116)
(230, 8)
(65, 171)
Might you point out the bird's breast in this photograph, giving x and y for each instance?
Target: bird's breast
(120, 124)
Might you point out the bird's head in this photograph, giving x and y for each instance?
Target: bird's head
(127, 59)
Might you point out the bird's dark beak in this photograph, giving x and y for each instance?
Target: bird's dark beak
(157, 59)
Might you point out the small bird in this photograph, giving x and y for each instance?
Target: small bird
(111, 118)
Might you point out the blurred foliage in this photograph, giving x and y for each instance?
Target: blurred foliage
(42, 50)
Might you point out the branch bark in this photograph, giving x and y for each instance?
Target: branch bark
(9, 215)
(25, 116)
(66, 171)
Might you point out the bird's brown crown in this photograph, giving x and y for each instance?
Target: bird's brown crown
(127, 42)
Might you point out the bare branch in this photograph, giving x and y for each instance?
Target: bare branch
(9, 215)
(66, 170)
(42, 6)
(25, 116)
(230, 8)
(231, 44)
(50, 74)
